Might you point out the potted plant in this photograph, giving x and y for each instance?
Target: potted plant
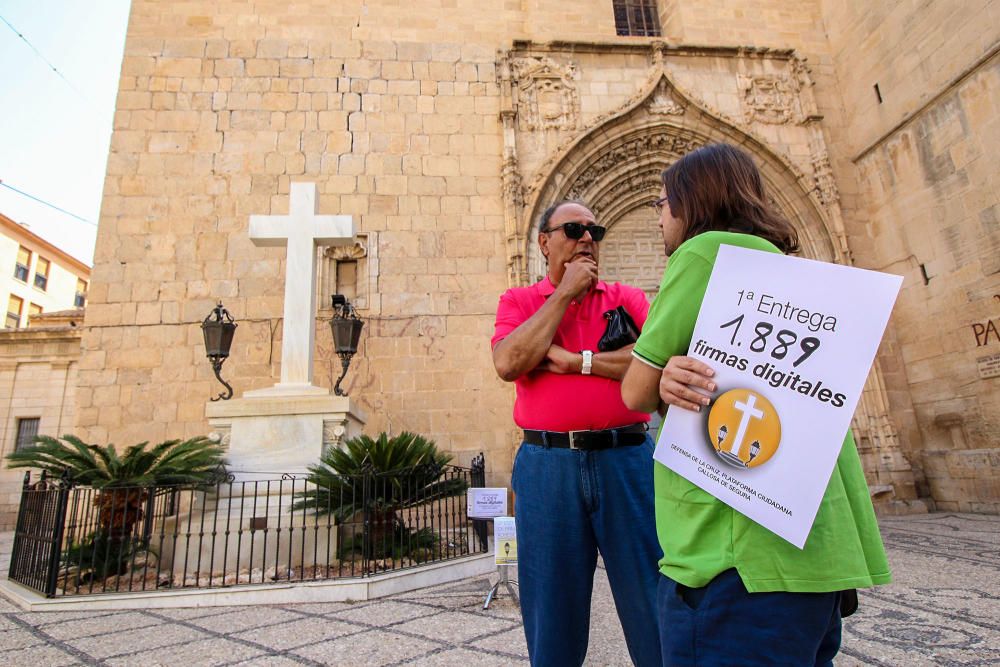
(369, 483)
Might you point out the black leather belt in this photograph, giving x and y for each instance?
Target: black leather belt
(633, 434)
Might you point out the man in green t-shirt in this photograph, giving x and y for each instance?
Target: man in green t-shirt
(732, 592)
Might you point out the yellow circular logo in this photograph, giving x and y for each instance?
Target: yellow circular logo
(744, 428)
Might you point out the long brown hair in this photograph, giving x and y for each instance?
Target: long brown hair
(718, 188)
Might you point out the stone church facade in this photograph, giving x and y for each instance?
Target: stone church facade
(445, 127)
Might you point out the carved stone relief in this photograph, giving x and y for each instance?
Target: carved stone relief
(826, 186)
(513, 188)
(768, 98)
(221, 435)
(663, 103)
(342, 253)
(807, 100)
(334, 431)
(643, 180)
(673, 143)
(547, 96)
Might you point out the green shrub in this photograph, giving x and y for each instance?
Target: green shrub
(123, 482)
(377, 479)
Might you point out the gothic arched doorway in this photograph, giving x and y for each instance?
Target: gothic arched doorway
(615, 168)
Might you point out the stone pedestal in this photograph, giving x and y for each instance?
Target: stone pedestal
(247, 532)
(272, 436)
(275, 431)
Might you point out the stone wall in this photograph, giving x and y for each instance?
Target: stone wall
(762, 23)
(397, 111)
(932, 211)
(216, 115)
(218, 112)
(923, 203)
(38, 376)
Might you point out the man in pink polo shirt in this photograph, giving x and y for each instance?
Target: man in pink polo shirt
(583, 476)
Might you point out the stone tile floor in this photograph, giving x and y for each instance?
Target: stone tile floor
(942, 609)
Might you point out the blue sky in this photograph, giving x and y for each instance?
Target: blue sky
(54, 135)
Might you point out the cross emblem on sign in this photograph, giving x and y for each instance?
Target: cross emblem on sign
(748, 411)
(300, 231)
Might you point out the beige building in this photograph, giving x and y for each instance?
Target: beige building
(37, 277)
(38, 368)
(446, 128)
(45, 290)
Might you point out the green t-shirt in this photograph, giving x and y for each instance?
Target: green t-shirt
(702, 536)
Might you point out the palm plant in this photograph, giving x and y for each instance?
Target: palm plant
(192, 461)
(378, 479)
(122, 482)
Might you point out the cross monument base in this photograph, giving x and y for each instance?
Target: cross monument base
(273, 431)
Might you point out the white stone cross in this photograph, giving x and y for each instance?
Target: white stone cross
(750, 411)
(301, 230)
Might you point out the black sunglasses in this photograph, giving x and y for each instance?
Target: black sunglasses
(574, 231)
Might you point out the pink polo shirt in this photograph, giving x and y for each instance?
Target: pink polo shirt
(552, 402)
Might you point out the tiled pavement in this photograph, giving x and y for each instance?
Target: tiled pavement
(943, 609)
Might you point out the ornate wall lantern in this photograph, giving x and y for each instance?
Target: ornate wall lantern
(218, 329)
(346, 327)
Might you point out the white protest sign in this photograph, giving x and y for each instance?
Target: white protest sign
(791, 341)
(486, 503)
(505, 540)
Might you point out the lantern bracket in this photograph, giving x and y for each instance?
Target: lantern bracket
(218, 328)
(346, 328)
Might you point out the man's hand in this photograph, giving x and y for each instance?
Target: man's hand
(679, 377)
(579, 278)
(560, 360)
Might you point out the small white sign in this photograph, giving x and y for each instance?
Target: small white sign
(505, 540)
(791, 341)
(989, 367)
(486, 503)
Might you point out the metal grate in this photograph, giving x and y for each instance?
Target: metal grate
(34, 558)
(636, 18)
(81, 540)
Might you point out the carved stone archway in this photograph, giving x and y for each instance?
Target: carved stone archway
(615, 168)
(613, 163)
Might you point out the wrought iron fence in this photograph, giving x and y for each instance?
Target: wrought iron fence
(73, 540)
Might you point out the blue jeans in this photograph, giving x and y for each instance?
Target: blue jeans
(722, 624)
(570, 504)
